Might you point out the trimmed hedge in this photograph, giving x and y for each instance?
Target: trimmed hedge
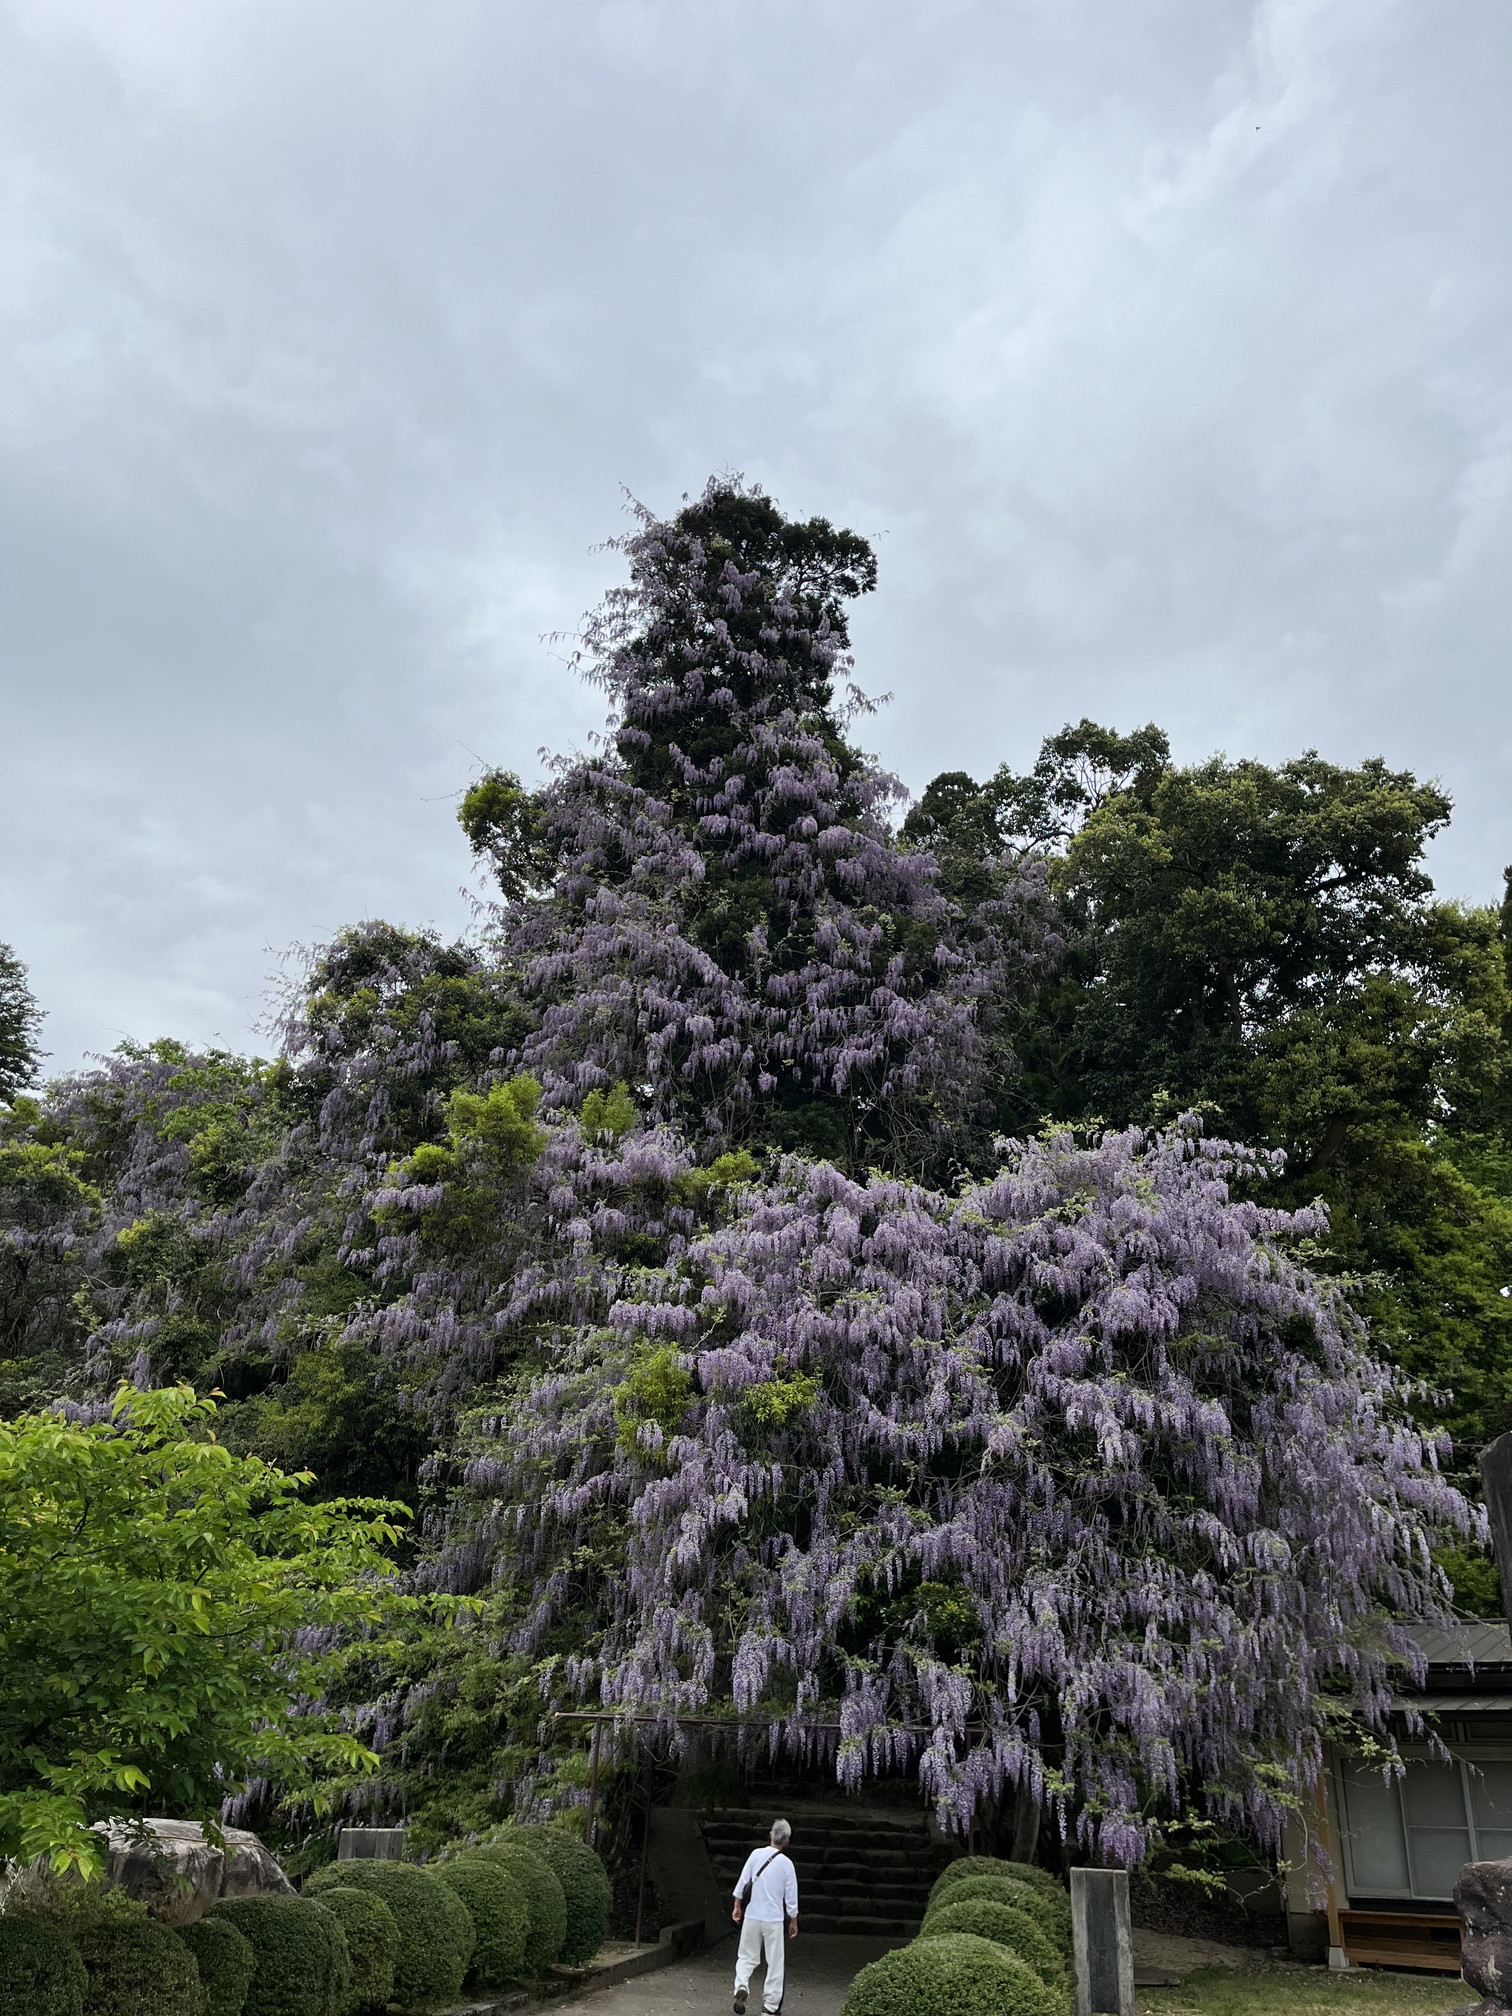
(225, 1961)
(40, 1972)
(955, 1975)
(989, 1918)
(545, 1899)
(584, 1885)
(372, 1937)
(1049, 1909)
(136, 1967)
(1051, 1915)
(300, 1964)
(435, 1931)
(497, 1905)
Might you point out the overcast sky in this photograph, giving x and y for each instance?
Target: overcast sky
(1162, 346)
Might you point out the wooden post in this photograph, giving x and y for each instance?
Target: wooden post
(1102, 1942)
(1328, 1836)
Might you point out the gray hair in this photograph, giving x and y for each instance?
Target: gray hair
(781, 1833)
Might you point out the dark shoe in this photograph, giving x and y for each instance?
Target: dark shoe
(740, 2002)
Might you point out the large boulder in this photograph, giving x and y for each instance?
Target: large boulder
(1483, 1898)
(174, 1870)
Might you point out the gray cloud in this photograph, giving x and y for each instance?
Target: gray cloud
(1163, 346)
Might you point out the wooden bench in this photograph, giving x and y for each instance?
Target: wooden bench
(1423, 1939)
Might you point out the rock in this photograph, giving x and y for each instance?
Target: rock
(1483, 1898)
(173, 1869)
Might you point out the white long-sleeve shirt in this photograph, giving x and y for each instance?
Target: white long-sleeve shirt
(775, 1892)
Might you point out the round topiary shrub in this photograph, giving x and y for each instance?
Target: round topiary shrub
(497, 1905)
(971, 1865)
(225, 1961)
(990, 1918)
(300, 1964)
(584, 1885)
(1053, 1920)
(435, 1932)
(372, 1936)
(136, 1967)
(956, 1975)
(545, 1899)
(1050, 1908)
(40, 1972)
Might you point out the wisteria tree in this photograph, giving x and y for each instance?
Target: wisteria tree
(634, 1235)
(714, 907)
(1075, 1481)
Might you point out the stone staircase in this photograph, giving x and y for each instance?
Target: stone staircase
(865, 1872)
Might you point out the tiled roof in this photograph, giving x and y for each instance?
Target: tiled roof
(1479, 1641)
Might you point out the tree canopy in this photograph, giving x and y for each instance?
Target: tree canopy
(20, 1024)
(164, 1607)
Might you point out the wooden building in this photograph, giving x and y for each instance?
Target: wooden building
(1398, 1845)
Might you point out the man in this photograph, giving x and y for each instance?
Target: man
(772, 1883)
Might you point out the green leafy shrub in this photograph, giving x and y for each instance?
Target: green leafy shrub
(965, 1866)
(991, 1918)
(1017, 1883)
(956, 1975)
(1051, 1915)
(496, 1904)
(225, 1961)
(546, 1901)
(435, 1931)
(136, 1966)
(300, 1964)
(40, 1972)
(372, 1937)
(584, 1885)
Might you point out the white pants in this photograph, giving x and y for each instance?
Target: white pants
(762, 1939)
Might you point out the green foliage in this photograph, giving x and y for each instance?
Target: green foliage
(150, 1587)
(585, 1886)
(989, 1918)
(300, 1963)
(20, 1022)
(706, 1189)
(136, 1967)
(545, 1899)
(1020, 1884)
(608, 1115)
(48, 1209)
(656, 1390)
(497, 1904)
(1477, 1586)
(967, 1866)
(435, 1930)
(493, 1142)
(1047, 1904)
(775, 1402)
(372, 1939)
(956, 1975)
(499, 1125)
(338, 1416)
(225, 1960)
(41, 1973)
(504, 822)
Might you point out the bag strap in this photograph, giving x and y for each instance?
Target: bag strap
(745, 1894)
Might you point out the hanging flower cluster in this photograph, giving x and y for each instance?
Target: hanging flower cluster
(1074, 1480)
